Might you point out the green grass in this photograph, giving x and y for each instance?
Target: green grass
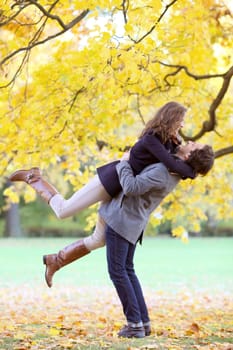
(160, 263)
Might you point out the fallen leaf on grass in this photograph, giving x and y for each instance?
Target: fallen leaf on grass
(193, 329)
(52, 320)
(54, 331)
(149, 347)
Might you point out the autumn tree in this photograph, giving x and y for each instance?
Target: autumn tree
(80, 78)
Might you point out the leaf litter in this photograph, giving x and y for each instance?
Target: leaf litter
(35, 318)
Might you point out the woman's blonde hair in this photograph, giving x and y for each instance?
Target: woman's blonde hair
(166, 122)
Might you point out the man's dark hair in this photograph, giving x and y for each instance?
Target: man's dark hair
(201, 160)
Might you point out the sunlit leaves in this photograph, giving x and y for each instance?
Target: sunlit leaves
(9, 192)
(102, 79)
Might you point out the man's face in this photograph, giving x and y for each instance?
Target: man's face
(189, 147)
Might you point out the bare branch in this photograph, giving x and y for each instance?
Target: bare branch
(65, 29)
(139, 111)
(47, 13)
(155, 25)
(125, 6)
(75, 97)
(192, 75)
(19, 69)
(223, 152)
(9, 19)
(40, 30)
(208, 125)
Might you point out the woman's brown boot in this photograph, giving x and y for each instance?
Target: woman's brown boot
(34, 178)
(64, 257)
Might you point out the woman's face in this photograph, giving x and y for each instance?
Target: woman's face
(179, 124)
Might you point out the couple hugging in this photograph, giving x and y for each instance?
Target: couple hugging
(129, 191)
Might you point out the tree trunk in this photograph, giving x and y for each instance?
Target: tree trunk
(12, 223)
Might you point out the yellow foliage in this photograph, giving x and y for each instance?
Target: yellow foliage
(102, 79)
(178, 231)
(11, 194)
(29, 195)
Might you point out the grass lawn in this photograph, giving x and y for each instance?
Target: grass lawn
(188, 289)
(160, 263)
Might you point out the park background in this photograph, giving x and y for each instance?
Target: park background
(78, 82)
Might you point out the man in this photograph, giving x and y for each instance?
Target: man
(126, 217)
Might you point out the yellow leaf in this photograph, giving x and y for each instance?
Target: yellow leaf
(29, 194)
(13, 196)
(178, 231)
(54, 331)
(20, 336)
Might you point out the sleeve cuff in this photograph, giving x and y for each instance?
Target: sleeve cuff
(121, 165)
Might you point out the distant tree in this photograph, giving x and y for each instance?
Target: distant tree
(12, 223)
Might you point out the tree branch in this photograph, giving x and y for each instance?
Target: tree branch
(38, 33)
(192, 75)
(155, 25)
(223, 151)
(19, 69)
(75, 97)
(208, 125)
(48, 14)
(139, 110)
(65, 29)
(9, 19)
(125, 6)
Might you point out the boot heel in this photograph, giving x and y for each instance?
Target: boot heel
(44, 259)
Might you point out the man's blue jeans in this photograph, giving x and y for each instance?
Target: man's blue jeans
(120, 254)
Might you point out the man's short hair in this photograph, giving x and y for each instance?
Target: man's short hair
(201, 160)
